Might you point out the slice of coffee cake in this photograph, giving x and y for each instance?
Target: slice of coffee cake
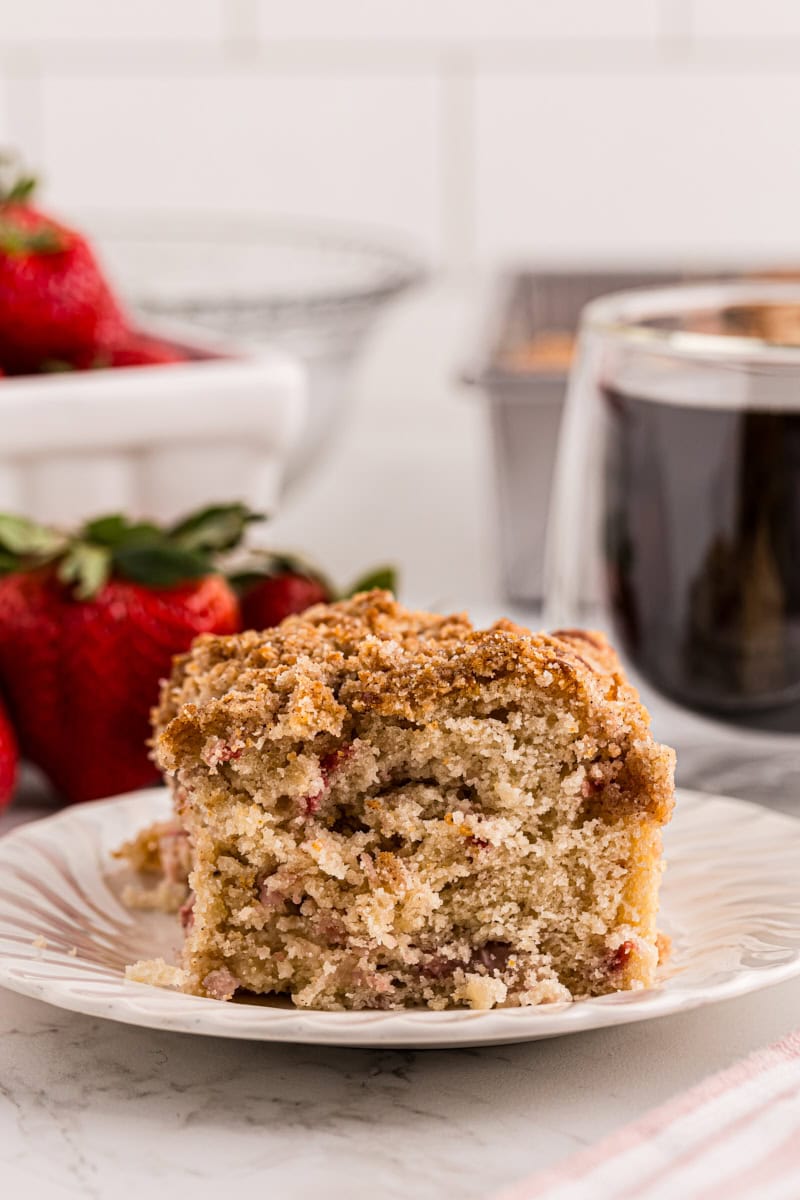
(388, 808)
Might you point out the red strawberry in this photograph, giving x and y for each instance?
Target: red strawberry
(8, 759)
(274, 586)
(82, 675)
(55, 305)
(269, 601)
(88, 628)
(139, 350)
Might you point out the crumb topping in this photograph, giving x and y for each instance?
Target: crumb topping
(369, 655)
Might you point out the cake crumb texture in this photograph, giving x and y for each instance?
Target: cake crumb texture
(380, 808)
(157, 972)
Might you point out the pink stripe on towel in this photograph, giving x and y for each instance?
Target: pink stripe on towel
(736, 1136)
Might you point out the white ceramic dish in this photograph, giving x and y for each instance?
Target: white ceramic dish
(731, 902)
(155, 440)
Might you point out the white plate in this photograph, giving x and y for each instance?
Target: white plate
(730, 901)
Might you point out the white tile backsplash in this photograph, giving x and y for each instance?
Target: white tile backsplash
(600, 128)
(656, 165)
(361, 149)
(456, 20)
(81, 21)
(742, 18)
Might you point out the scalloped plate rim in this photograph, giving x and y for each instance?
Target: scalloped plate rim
(29, 971)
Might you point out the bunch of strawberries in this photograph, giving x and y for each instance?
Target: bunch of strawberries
(90, 622)
(57, 310)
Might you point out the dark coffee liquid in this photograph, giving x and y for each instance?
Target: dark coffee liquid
(702, 553)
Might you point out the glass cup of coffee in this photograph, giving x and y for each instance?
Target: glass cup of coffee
(676, 514)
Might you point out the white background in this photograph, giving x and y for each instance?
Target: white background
(483, 129)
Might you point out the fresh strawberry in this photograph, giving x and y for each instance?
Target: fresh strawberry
(88, 628)
(268, 602)
(8, 759)
(82, 676)
(274, 586)
(55, 304)
(140, 350)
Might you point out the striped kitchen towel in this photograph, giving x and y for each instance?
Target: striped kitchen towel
(736, 1136)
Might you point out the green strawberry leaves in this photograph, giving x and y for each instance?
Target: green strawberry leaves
(116, 530)
(114, 547)
(158, 564)
(21, 191)
(215, 529)
(384, 578)
(19, 238)
(17, 241)
(16, 187)
(85, 568)
(145, 553)
(20, 537)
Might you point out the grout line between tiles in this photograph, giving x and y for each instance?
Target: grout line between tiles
(673, 51)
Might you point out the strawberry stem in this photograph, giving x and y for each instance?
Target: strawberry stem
(17, 241)
(22, 191)
(16, 187)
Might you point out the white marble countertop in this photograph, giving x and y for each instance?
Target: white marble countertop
(93, 1109)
